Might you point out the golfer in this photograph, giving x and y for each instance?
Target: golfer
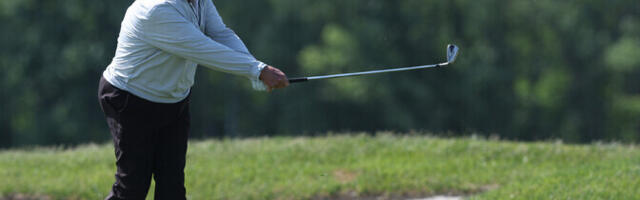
(145, 91)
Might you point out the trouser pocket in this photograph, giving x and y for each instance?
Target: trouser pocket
(112, 99)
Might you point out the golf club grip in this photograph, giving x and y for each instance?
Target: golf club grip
(298, 80)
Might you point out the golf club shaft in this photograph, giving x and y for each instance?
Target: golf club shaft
(303, 79)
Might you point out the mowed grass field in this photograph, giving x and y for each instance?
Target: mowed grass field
(385, 166)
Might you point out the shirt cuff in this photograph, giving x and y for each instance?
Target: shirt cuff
(256, 83)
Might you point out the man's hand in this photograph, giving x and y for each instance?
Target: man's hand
(273, 78)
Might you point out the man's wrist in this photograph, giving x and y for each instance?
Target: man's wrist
(261, 67)
(261, 71)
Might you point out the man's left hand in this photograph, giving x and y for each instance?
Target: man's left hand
(273, 78)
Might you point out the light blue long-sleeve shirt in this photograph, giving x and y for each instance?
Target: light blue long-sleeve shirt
(161, 42)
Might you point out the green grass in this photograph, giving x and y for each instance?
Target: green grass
(383, 166)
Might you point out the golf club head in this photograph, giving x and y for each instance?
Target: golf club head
(452, 53)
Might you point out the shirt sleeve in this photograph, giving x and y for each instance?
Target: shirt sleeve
(166, 29)
(218, 31)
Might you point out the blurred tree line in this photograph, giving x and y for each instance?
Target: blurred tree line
(528, 70)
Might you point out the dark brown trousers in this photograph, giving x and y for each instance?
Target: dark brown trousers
(150, 139)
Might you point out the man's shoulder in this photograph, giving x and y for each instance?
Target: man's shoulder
(143, 14)
(150, 7)
(158, 2)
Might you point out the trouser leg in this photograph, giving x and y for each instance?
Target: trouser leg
(170, 155)
(132, 128)
(134, 164)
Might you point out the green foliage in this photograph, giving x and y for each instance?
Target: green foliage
(358, 165)
(528, 70)
(552, 87)
(622, 56)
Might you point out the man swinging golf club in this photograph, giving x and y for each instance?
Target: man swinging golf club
(144, 92)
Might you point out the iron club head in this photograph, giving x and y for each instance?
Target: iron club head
(452, 53)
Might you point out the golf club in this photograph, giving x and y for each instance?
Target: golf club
(452, 53)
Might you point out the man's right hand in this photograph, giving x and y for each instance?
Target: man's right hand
(273, 78)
